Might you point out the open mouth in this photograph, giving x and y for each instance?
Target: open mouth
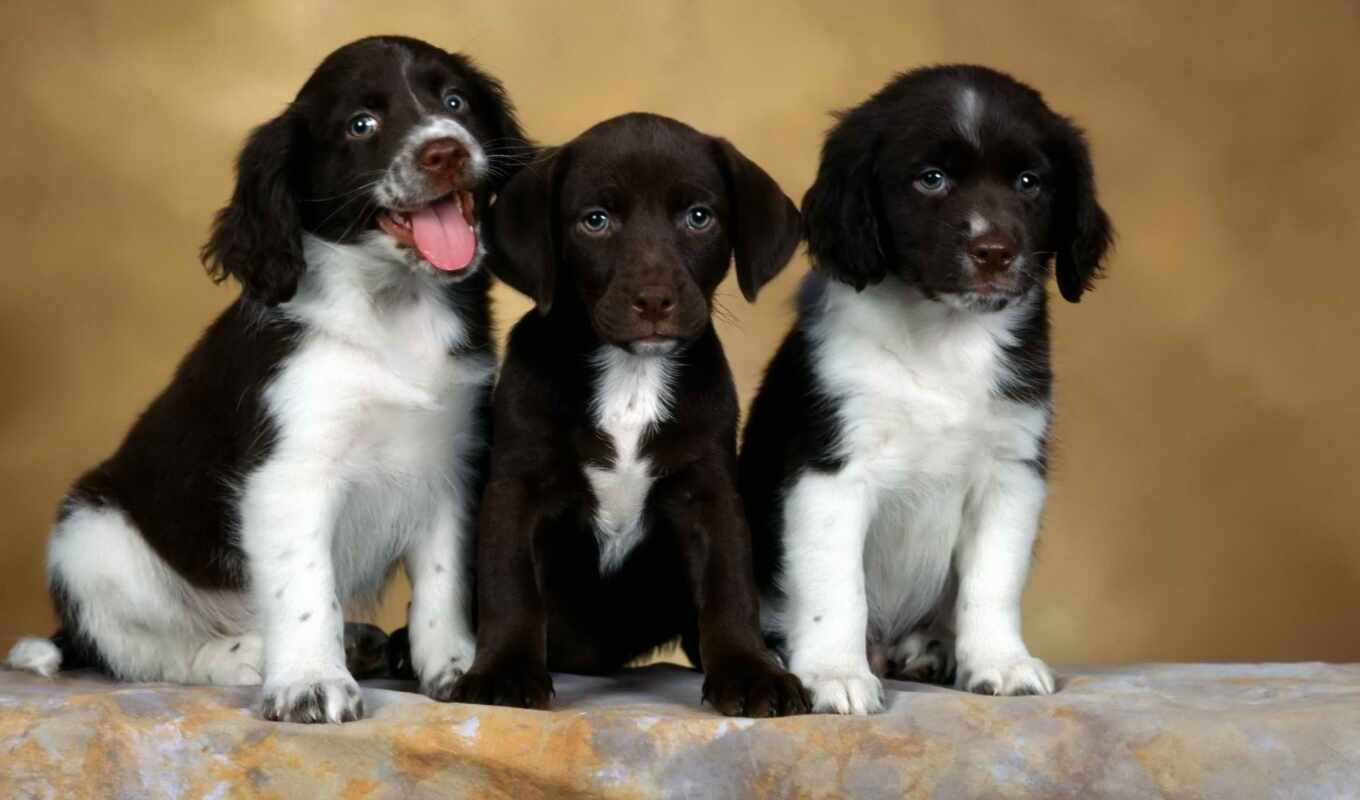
(442, 232)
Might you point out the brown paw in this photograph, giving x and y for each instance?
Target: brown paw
(517, 685)
(755, 689)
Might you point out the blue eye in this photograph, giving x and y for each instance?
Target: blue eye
(932, 181)
(1028, 183)
(595, 221)
(362, 126)
(454, 101)
(699, 218)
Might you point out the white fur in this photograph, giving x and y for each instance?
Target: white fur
(934, 476)
(373, 417)
(394, 188)
(969, 116)
(978, 224)
(632, 396)
(35, 655)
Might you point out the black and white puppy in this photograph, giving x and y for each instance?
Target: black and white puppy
(333, 420)
(611, 524)
(895, 456)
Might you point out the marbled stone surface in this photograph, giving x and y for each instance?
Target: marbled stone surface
(1196, 730)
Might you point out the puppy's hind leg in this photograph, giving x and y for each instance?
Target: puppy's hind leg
(121, 603)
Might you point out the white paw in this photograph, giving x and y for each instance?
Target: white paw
(923, 657)
(843, 691)
(1002, 672)
(440, 659)
(331, 699)
(439, 686)
(230, 661)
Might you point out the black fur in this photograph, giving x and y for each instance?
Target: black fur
(176, 472)
(865, 219)
(544, 603)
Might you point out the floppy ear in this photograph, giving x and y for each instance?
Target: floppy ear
(840, 211)
(765, 225)
(1082, 232)
(524, 229)
(257, 237)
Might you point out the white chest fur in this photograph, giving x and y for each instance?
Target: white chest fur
(632, 395)
(923, 429)
(373, 401)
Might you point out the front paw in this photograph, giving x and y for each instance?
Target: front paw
(1006, 672)
(754, 688)
(313, 700)
(440, 685)
(516, 684)
(853, 690)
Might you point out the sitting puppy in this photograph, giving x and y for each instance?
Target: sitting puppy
(611, 522)
(331, 422)
(894, 460)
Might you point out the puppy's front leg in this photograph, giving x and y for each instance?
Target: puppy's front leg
(825, 616)
(287, 526)
(442, 645)
(741, 677)
(993, 564)
(511, 667)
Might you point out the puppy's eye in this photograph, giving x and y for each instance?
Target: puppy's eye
(1028, 183)
(454, 101)
(699, 218)
(932, 181)
(362, 126)
(595, 221)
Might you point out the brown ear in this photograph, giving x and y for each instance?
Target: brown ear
(524, 229)
(765, 225)
(257, 237)
(1082, 230)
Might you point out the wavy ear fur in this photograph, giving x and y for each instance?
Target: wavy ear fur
(1082, 232)
(840, 212)
(765, 225)
(524, 229)
(257, 237)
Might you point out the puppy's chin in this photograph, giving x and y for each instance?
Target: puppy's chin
(981, 302)
(653, 346)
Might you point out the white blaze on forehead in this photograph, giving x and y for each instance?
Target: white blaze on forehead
(978, 224)
(970, 116)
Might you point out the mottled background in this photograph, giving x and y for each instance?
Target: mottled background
(1203, 497)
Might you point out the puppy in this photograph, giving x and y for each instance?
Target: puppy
(330, 423)
(894, 458)
(611, 522)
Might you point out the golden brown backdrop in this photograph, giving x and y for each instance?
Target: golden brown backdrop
(1203, 500)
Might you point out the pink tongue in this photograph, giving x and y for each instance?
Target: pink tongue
(442, 235)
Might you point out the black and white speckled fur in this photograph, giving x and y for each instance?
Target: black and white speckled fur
(895, 457)
(331, 423)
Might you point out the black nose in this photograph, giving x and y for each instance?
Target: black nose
(442, 158)
(992, 252)
(654, 303)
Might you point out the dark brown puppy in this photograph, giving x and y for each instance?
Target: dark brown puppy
(611, 524)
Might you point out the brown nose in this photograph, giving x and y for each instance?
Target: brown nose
(654, 303)
(442, 158)
(992, 252)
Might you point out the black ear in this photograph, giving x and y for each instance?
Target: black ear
(257, 237)
(765, 226)
(524, 229)
(840, 211)
(1081, 229)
